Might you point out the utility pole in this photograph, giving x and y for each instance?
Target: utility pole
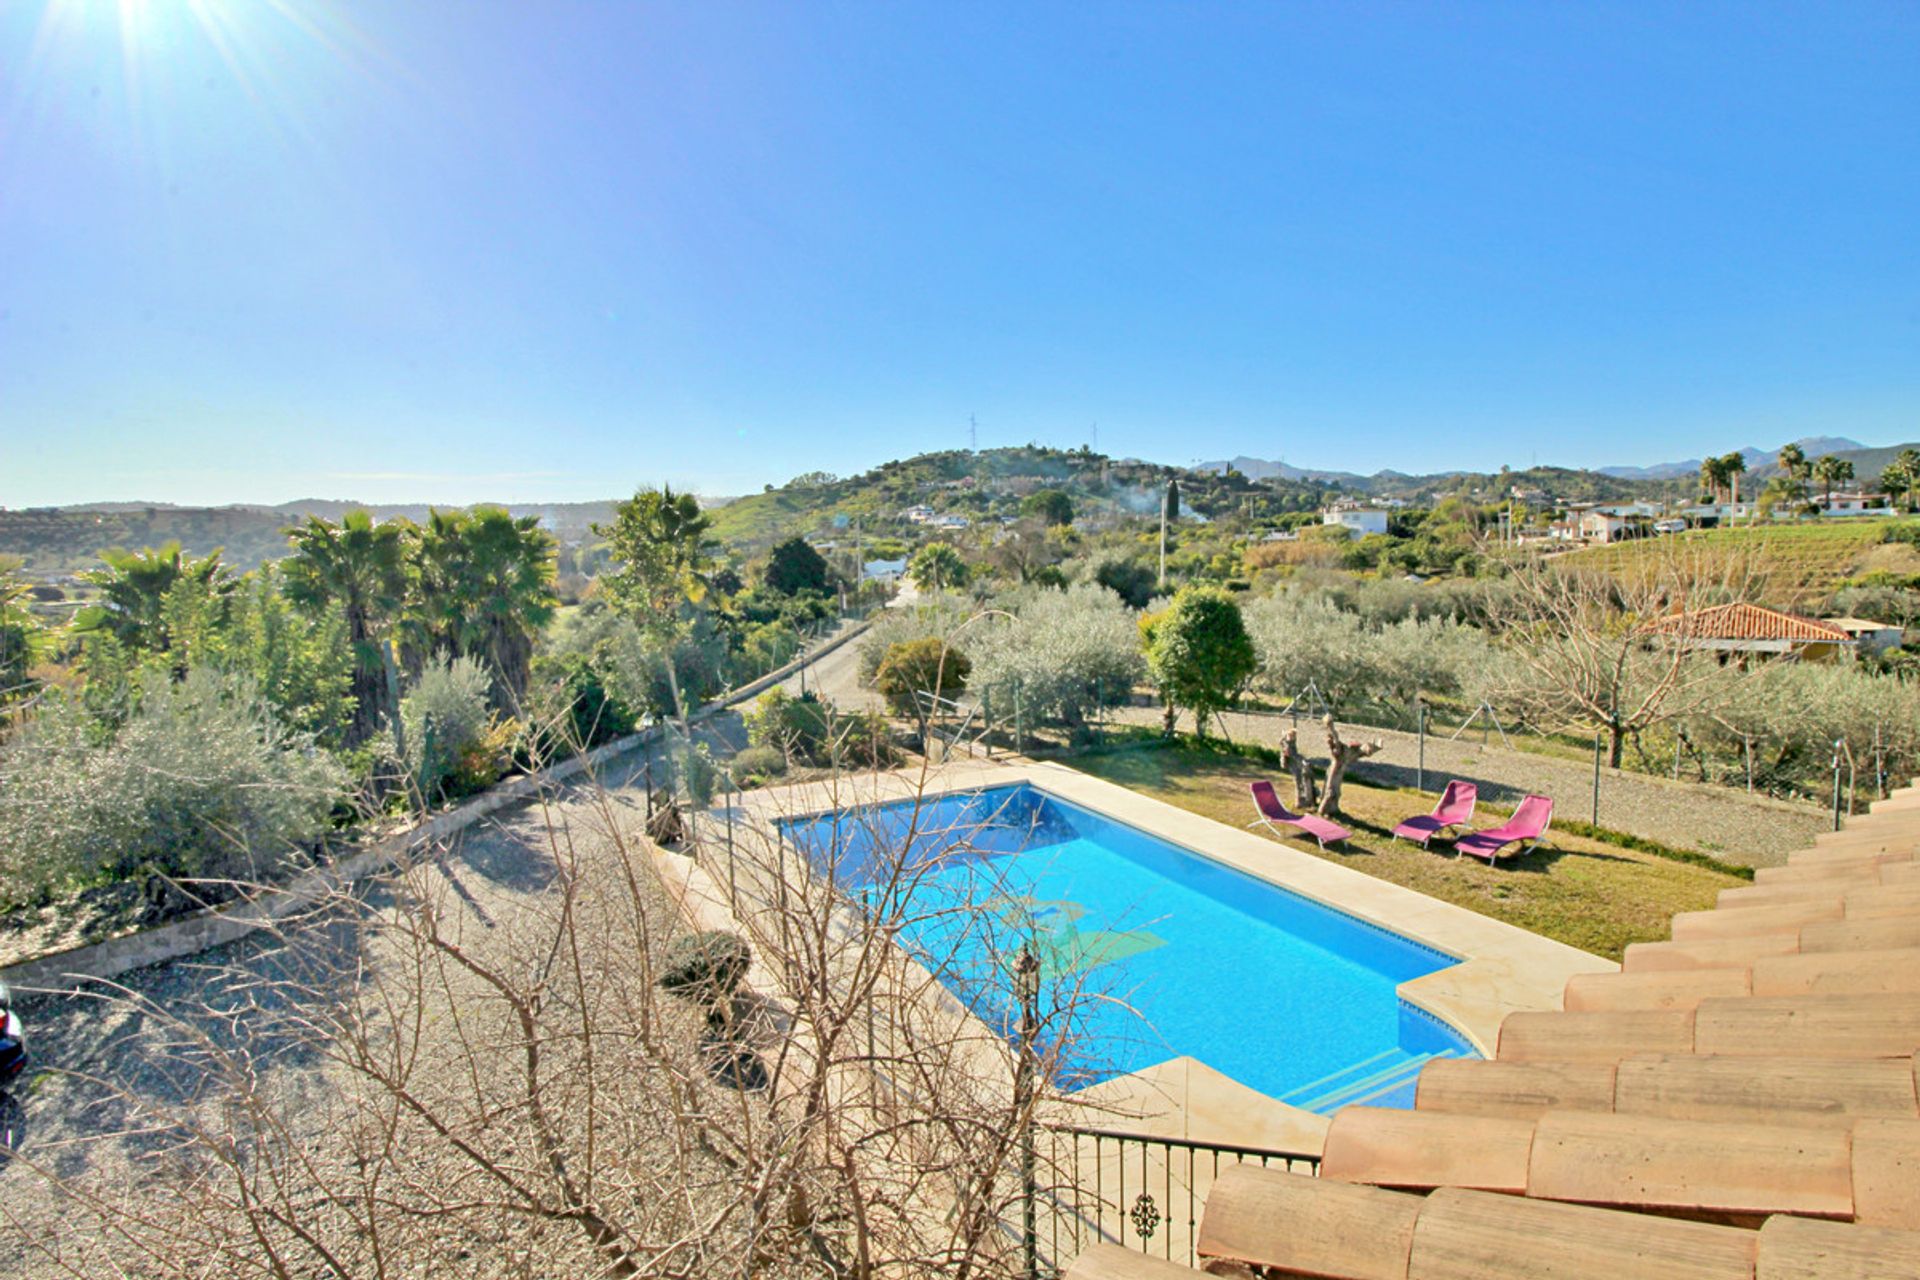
(973, 434)
(1163, 541)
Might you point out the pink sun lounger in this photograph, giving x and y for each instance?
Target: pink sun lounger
(1528, 824)
(1454, 810)
(1274, 815)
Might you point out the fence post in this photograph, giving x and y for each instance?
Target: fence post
(1836, 784)
(1420, 768)
(727, 796)
(1597, 739)
(1026, 977)
(1019, 736)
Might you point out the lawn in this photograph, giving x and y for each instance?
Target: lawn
(1584, 892)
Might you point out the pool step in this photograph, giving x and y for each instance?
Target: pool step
(1384, 1080)
(1344, 1076)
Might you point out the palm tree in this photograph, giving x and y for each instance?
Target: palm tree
(486, 590)
(1831, 470)
(663, 563)
(134, 587)
(1713, 477)
(1735, 465)
(1794, 465)
(1895, 480)
(1781, 488)
(937, 566)
(360, 569)
(1908, 463)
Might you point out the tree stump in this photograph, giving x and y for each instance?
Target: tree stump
(1340, 754)
(1304, 795)
(666, 828)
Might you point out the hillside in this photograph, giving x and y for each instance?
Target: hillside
(989, 485)
(1799, 566)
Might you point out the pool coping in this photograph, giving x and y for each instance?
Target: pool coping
(1501, 969)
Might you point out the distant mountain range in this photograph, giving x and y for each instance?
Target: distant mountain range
(1757, 459)
(1761, 463)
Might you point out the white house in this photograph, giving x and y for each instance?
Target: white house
(1870, 636)
(888, 571)
(1362, 520)
(1611, 525)
(1857, 504)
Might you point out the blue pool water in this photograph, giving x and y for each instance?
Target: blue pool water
(1186, 956)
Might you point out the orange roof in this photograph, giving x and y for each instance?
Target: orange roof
(1749, 622)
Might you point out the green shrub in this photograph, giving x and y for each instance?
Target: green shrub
(759, 763)
(1198, 653)
(810, 731)
(799, 727)
(706, 969)
(446, 717)
(700, 774)
(913, 667)
(579, 710)
(203, 781)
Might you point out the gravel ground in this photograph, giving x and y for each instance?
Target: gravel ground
(1751, 831)
(75, 1129)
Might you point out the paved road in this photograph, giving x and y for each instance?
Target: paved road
(835, 678)
(1755, 831)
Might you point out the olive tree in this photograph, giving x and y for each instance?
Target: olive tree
(202, 782)
(1063, 654)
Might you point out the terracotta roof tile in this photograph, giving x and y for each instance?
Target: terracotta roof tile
(1748, 622)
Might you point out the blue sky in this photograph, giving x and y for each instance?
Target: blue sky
(252, 250)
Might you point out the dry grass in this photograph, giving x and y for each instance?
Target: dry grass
(1584, 892)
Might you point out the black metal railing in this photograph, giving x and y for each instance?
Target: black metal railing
(1139, 1191)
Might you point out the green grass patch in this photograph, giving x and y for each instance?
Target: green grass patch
(1591, 889)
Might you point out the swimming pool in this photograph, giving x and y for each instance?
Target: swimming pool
(1191, 957)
